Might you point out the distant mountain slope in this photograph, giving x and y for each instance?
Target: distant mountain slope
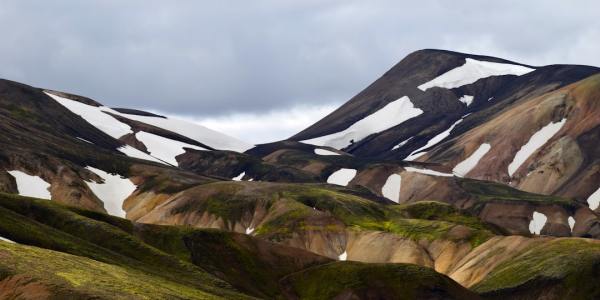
(479, 117)
(453, 176)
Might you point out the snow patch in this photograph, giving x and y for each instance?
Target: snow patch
(113, 191)
(95, 116)
(343, 256)
(571, 221)
(6, 240)
(320, 151)
(250, 230)
(537, 223)
(391, 188)
(30, 185)
(82, 139)
(342, 176)
(427, 172)
(116, 129)
(433, 141)
(472, 71)
(594, 199)
(402, 143)
(194, 131)
(239, 177)
(465, 166)
(135, 153)
(536, 141)
(392, 114)
(466, 99)
(163, 148)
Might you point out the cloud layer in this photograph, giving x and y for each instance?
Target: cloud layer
(216, 58)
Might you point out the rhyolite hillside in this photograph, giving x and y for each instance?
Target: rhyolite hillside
(453, 176)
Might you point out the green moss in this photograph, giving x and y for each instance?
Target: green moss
(49, 225)
(490, 191)
(570, 264)
(76, 276)
(374, 281)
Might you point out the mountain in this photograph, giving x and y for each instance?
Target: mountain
(453, 176)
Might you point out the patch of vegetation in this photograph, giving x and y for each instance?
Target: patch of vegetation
(491, 191)
(568, 266)
(73, 277)
(49, 225)
(353, 280)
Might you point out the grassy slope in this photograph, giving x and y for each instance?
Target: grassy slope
(49, 225)
(433, 222)
(70, 277)
(353, 280)
(564, 268)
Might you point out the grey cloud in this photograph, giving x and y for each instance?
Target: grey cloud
(219, 57)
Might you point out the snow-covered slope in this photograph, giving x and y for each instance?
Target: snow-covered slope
(95, 116)
(31, 186)
(391, 188)
(393, 114)
(472, 71)
(465, 166)
(113, 191)
(342, 176)
(133, 152)
(99, 117)
(536, 141)
(163, 148)
(197, 132)
(432, 142)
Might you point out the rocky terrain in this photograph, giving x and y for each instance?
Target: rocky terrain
(453, 176)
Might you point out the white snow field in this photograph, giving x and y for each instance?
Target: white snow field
(392, 114)
(342, 176)
(195, 132)
(536, 141)
(30, 185)
(320, 151)
(133, 152)
(466, 99)
(571, 221)
(163, 148)
(239, 177)
(391, 188)
(537, 223)
(116, 129)
(3, 239)
(427, 172)
(250, 230)
(465, 166)
(95, 116)
(113, 191)
(432, 142)
(472, 71)
(402, 143)
(594, 199)
(343, 256)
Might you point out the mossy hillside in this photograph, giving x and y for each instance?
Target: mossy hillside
(362, 214)
(73, 277)
(434, 210)
(297, 208)
(50, 225)
(490, 191)
(225, 200)
(228, 164)
(250, 264)
(569, 266)
(373, 281)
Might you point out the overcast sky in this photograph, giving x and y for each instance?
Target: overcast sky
(244, 66)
